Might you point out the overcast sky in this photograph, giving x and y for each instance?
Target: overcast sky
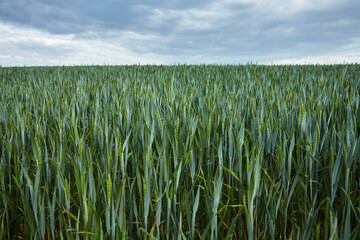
(73, 32)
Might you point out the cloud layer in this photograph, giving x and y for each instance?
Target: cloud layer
(150, 32)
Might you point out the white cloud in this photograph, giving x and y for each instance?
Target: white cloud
(20, 46)
(349, 53)
(193, 19)
(218, 13)
(226, 31)
(286, 6)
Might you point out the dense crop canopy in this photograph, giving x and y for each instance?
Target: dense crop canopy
(212, 152)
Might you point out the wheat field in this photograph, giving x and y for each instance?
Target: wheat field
(180, 152)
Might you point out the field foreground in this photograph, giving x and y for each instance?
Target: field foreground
(180, 152)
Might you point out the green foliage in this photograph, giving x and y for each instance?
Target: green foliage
(180, 152)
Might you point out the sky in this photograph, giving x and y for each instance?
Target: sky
(79, 32)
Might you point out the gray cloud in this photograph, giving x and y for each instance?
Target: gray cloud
(43, 16)
(226, 31)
